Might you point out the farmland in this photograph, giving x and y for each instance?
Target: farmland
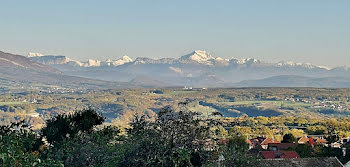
(119, 105)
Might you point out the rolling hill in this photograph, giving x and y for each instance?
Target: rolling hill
(297, 81)
(20, 69)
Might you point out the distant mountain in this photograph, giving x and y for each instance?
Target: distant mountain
(297, 81)
(20, 69)
(196, 69)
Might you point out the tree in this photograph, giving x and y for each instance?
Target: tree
(97, 148)
(20, 146)
(75, 142)
(234, 152)
(179, 138)
(174, 139)
(289, 138)
(62, 127)
(304, 150)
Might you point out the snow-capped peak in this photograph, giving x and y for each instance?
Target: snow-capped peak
(305, 65)
(245, 61)
(93, 63)
(325, 67)
(199, 56)
(123, 60)
(126, 58)
(32, 54)
(219, 59)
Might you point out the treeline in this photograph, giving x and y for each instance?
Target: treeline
(279, 126)
(174, 138)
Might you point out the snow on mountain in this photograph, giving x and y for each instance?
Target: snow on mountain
(196, 68)
(304, 65)
(32, 54)
(199, 56)
(118, 62)
(247, 61)
(75, 63)
(325, 67)
(92, 63)
(123, 60)
(52, 60)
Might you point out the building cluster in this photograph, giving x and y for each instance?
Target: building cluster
(274, 152)
(321, 103)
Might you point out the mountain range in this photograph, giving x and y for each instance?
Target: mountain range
(198, 69)
(22, 71)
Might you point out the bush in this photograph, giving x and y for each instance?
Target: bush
(20, 146)
(67, 126)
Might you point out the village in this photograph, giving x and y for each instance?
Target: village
(303, 150)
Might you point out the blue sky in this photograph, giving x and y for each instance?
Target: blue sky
(313, 31)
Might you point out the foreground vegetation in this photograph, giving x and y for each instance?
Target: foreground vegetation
(174, 138)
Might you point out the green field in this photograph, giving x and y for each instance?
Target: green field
(203, 109)
(179, 92)
(248, 102)
(12, 103)
(275, 103)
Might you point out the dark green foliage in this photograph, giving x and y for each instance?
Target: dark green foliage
(57, 129)
(88, 149)
(75, 143)
(289, 138)
(234, 150)
(173, 139)
(304, 150)
(332, 138)
(332, 152)
(180, 139)
(67, 126)
(85, 120)
(19, 146)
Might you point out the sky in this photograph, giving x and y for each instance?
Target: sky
(315, 31)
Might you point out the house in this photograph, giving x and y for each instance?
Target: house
(336, 145)
(261, 141)
(320, 141)
(256, 142)
(281, 146)
(300, 162)
(264, 144)
(303, 140)
(279, 154)
(249, 142)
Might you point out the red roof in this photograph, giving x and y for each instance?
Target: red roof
(257, 141)
(249, 142)
(303, 139)
(311, 141)
(269, 140)
(320, 140)
(279, 154)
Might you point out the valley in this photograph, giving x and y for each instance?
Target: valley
(120, 105)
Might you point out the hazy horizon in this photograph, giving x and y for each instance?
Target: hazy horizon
(314, 31)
